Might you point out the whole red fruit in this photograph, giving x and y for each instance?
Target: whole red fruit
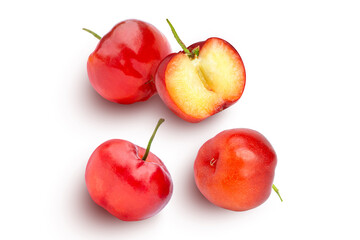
(130, 188)
(123, 65)
(235, 169)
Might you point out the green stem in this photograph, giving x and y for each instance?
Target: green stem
(277, 191)
(182, 45)
(94, 34)
(161, 120)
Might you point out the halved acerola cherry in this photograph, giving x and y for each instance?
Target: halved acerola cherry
(202, 80)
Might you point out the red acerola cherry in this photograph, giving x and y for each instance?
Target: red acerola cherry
(128, 181)
(235, 169)
(123, 65)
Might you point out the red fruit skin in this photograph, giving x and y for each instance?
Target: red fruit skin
(126, 186)
(235, 169)
(122, 67)
(160, 83)
(195, 45)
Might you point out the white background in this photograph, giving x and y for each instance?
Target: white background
(302, 62)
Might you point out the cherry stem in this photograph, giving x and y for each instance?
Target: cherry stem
(182, 45)
(94, 34)
(277, 191)
(161, 120)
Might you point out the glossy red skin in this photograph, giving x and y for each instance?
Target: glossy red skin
(242, 172)
(165, 96)
(126, 186)
(122, 67)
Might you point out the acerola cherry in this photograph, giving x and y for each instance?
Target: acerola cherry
(128, 181)
(202, 80)
(123, 65)
(235, 169)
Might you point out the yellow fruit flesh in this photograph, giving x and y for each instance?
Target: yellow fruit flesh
(199, 86)
(221, 67)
